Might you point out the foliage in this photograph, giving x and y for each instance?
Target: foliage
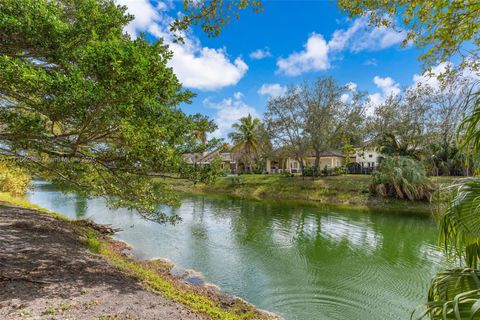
(443, 28)
(309, 171)
(456, 293)
(204, 173)
(85, 105)
(13, 179)
(453, 294)
(285, 120)
(471, 124)
(400, 125)
(348, 151)
(245, 138)
(402, 178)
(329, 120)
(460, 224)
(211, 15)
(202, 126)
(339, 170)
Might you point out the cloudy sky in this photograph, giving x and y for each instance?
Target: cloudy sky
(260, 55)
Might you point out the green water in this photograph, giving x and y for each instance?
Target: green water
(302, 262)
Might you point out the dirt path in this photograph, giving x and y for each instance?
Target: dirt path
(46, 273)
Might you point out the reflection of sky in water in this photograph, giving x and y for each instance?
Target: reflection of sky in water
(303, 262)
(357, 234)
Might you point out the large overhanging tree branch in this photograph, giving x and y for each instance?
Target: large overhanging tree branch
(444, 29)
(83, 104)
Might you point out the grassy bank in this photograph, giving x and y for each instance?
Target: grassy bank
(154, 275)
(345, 190)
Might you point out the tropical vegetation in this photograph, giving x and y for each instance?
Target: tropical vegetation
(402, 178)
(85, 105)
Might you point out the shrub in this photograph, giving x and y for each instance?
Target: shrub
(286, 173)
(340, 170)
(311, 172)
(401, 178)
(13, 179)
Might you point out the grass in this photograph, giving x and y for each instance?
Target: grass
(147, 273)
(344, 190)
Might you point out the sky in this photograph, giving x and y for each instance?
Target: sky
(260, 55)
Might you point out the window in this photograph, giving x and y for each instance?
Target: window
(294, 165)
(370, 155)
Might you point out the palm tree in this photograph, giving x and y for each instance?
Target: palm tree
(401, 177)
(455, 294)
(245, 138)
(202, 126)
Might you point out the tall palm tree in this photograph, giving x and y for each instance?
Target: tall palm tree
(245, 138)
(202, 126)
(455, 294)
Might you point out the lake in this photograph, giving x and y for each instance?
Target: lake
(299, 261)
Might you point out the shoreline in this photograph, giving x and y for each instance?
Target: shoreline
(339, 192)
(154, 275)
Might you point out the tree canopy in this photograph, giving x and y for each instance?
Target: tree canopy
(83, 104)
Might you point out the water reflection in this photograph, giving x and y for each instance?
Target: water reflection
(303, 262)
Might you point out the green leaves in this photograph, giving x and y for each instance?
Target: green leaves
(401, 177)
(84, 105)
(454, 294)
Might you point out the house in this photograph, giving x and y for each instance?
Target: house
(366, 160)
(281, 163)
(229, 161)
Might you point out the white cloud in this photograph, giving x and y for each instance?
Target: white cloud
(362, 37)
(238, 95)
(431, 79)
(205, 68)
(228, 112)
(352, 86)
(388, 87)
(314, 57)
(358, 37)
(261, 54)
(272, 90)
(347, 96)
(145, 15)
(196, 66)
(371, 62)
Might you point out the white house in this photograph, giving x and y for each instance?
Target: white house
(367, 157)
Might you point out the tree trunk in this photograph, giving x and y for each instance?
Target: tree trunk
(317, 162)
(302, 166)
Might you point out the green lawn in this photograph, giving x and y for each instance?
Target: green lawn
(350, 190)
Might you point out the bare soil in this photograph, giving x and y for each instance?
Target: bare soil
(47, 273)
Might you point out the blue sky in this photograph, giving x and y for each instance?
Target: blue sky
(260, 54)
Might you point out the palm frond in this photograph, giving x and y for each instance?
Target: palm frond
(453, 294)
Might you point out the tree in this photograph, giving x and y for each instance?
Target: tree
(329, 120)
(202, 126)
(245, 138)
(85, 105)
(443, 28)
(348, 151)
(285, 120)
(402, 178)
(211, 15)
(400, 125)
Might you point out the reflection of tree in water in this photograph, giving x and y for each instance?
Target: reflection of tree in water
(81, 206)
